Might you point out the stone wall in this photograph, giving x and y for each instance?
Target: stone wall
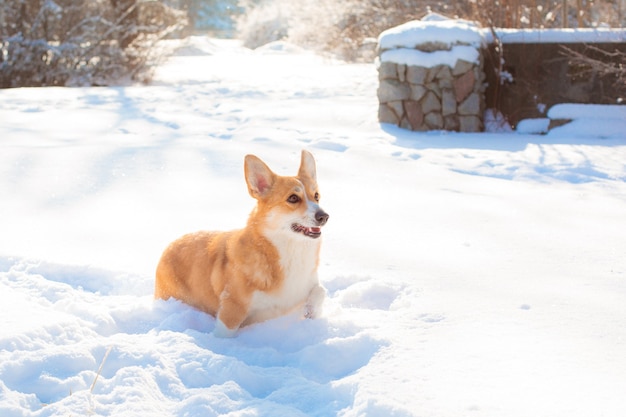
(543, 74)
(432, 72)
(431, 77)
(437, 98)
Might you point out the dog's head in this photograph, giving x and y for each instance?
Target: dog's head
(287, 204)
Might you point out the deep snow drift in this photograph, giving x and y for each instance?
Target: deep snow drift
(467, 274)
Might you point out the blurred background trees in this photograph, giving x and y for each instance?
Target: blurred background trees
(101, 42)
(69, 42)
(348, 28)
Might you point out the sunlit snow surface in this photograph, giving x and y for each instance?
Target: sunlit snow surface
(467, 274)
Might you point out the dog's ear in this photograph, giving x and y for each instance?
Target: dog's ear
(307, 166)
(259, 177)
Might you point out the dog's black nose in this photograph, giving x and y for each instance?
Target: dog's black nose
(321, 216)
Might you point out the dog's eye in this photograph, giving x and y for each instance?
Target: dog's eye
(317, 197)
(293, 199)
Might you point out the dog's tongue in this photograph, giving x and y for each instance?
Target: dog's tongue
(313, 232)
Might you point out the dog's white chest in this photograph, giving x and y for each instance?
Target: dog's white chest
(299, 265)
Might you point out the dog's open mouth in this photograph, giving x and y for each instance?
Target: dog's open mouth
(313, 232)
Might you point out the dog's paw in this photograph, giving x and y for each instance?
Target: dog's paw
(222, 331)
(309, 312)
(313, 306)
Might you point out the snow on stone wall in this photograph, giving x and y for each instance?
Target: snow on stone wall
(431, 75)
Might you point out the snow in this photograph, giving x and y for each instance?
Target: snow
(495, 122)
(467, 274)
(536, 125)
(587, 111)
(404, 56)
(448, 32)
(583, 35)
(461, 39)
(603, 128)
(600, 120)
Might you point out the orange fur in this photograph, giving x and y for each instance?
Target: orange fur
(259, 272)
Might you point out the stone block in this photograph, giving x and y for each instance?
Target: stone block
(387, 70)
(430, 103)
(416, 75)
(386, 115)
(434, 87)
(414, 114)
(471, 106)
(401, 72)
(448, 103)
(432, 46)
(444, 73)
(470, 124)
(451, 122)
(397, 107)
(479, 74)
(432, 73)
(461, 67)
(417, 92)
(393, 90)
(464, 85)
(447, 83)
(434, 120)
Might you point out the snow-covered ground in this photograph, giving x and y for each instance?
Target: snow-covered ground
(467, 274)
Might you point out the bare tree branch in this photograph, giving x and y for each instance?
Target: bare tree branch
(607, 63)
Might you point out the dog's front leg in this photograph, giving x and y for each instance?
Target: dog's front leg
(314, 302)
(230, 316)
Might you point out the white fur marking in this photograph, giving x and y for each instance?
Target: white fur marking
(298, 258)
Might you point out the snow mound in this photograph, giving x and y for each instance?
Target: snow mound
(601, 128)
(414, 57)
(533, 126)
(582, 35)
(467, 274)
(600, 120)
(587, 111)
(66, 349)
(412, 34)
(279, 47)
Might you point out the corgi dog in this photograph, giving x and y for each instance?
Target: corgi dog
(267, 269)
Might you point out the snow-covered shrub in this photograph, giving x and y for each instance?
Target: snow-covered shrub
(264, 22)
(64, 42)
(345, 28)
